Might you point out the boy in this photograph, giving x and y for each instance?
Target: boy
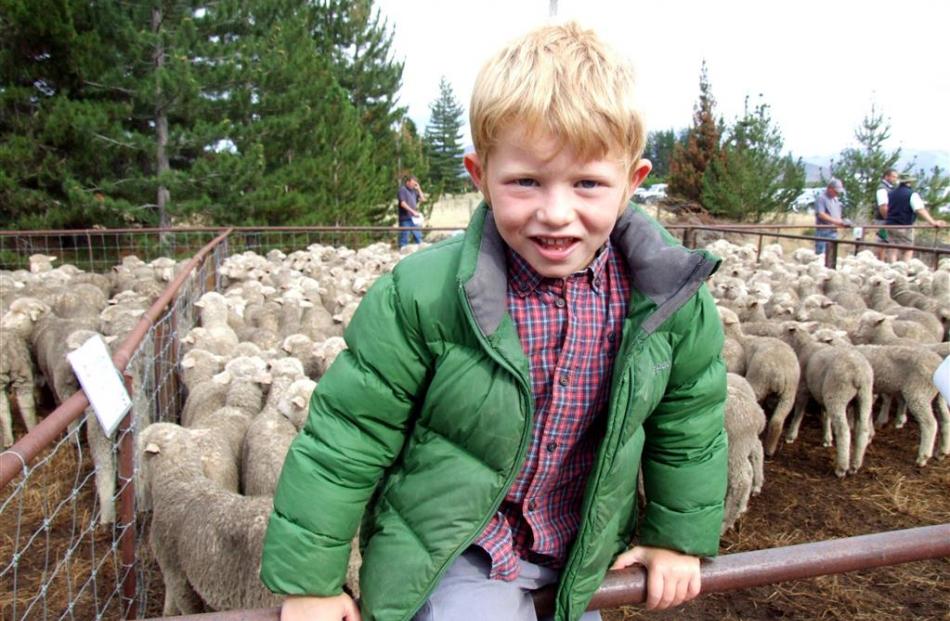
(409, 197)
(501, 390)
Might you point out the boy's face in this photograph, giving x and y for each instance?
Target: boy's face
(553, 208)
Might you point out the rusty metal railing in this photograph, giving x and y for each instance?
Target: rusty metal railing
(730, 572)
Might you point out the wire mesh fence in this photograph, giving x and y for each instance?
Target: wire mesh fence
(64, 549)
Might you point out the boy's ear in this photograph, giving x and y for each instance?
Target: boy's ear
(474, 167)
(638, 173)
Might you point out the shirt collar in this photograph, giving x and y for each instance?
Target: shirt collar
(523, 278)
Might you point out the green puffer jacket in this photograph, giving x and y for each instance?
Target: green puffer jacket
(425, 420)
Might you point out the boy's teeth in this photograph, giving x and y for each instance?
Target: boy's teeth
(559, 242)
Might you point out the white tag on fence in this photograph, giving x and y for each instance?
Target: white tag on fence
(942, 378)
(101, 382)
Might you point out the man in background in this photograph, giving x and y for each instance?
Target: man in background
(903, 207)
(888, 183)
(410, 195)
(828, 215)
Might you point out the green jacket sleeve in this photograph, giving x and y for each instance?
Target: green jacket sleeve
(686, 454)
(355, 430)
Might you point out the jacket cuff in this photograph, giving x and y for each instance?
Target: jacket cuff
(694, 532)
(289, 564)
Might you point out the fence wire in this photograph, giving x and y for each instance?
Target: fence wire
(61, 559)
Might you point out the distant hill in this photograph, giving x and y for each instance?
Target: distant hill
(817, 166)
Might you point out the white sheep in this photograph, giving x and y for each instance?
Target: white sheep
(16, 364)
(771, 368)
(834, 376)
(744, 421)
(207, 540)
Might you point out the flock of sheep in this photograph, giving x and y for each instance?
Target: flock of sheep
(796, 332)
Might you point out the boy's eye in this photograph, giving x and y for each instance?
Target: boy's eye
(588, 184)
(526, 182)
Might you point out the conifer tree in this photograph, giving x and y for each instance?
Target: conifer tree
(750, 177)
(688, 163)
(358, 42)
(860, 168)
(443, 142)
(659, 150)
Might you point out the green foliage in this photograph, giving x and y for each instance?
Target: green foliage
(860, 169)
(659, 150)
(443, 143)
(934, 189)
(277, 112)
(689, 161)
(751, 177)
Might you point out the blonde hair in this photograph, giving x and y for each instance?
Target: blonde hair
(564, 81)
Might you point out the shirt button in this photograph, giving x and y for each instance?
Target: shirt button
(611, 337)
(552, 446)
(532, 505)
(563, 380)
(559, 302)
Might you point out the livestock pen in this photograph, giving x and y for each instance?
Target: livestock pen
(57, 562)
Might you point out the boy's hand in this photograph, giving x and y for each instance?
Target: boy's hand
(306, 608)
(672, 577)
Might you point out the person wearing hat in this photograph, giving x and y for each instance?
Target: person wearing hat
(828, 215)
(903, 207)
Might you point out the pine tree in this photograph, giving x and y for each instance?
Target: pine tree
(688, 163)
(659, 150)
(750, 177)
(860, 169)
(358, 43)
(934, 188)
(443, 142)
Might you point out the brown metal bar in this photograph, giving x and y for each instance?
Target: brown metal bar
(731, 572)
(25, 450)
(127, 510)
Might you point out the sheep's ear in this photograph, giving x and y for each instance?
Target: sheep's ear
(200, 304)
(263, 378)
(152, 448)
(826, 303)
(187, 362)
(879, 319)
(306, 304)
(109, 339)
(892, 317)
(841, 333)
(138, 312)
(299, 401)
(224, 377)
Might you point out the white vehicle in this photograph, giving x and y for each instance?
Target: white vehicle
(654, 193)
(806, 199)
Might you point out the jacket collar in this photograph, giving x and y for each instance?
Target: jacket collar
(660, 269)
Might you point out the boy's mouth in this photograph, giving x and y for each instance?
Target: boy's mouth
(555, 243)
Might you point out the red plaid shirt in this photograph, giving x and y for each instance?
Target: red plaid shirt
(569, 329)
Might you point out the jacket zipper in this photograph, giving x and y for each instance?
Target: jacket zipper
(522, 450)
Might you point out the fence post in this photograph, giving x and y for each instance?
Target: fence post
(127, 510)
(831, 253)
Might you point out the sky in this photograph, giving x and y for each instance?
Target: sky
(820, 65)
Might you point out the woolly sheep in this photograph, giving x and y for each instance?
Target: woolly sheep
(907, 372)
(207, 540)
(326, 352)
(16, 364)
(206, 397)
(772, 369)
(834, 376)
(269, 437)
(744, 422)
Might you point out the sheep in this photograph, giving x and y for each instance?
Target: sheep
(772, 368)
(326, 352)
(300, 347)
(16, 364)
(206, 397)
(744, 421)
(834, 376)
(907, 372)
(269, 436)
(200, 365)
(207, 540)
(878, 329)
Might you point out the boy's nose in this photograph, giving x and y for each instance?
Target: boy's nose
(557, 210)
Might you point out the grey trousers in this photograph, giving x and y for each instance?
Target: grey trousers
(466, 594)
